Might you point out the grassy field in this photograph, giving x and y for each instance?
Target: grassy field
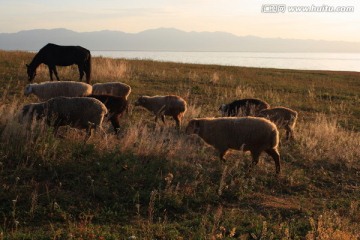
(152, 182)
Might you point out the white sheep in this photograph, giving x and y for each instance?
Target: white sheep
(78, 112)
(46, 90)
(240, 133)
(162, 106)
(283, 118)
(112, 88)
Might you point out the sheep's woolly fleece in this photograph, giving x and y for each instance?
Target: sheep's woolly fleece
(46, 90)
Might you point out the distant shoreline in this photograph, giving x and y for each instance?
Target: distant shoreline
(297, 61)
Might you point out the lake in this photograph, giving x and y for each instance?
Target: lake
(301, 61)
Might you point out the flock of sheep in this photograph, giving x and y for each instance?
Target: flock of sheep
(244, 124)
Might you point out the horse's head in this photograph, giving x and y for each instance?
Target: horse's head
(31, 72)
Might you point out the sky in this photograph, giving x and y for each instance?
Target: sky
(240, 17)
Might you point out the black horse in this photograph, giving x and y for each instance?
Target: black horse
(54, 55)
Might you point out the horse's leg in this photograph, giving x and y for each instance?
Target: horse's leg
(56, 73)
(81, 71)
(50, 72)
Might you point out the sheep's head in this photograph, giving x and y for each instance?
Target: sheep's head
(32, 110)
(261, 113)
(141, 101)
(193, 127)
(25, 114)
(28, 90)
(223, 109)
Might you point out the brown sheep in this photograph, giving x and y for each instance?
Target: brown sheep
(244, 133)
(243, 107)
(283, 118)
(116, 106)
(162, 106)
(112, 88)
(78, 112)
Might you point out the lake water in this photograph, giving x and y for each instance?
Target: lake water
(302, 61)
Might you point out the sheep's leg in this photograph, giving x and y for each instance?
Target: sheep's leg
(88, 133)
(276, 156)
(255, 159)
(115, 122)
(289, 133)
(56, 128)
(177, 120)
(160, 114)
(292, 134)
(222, 154)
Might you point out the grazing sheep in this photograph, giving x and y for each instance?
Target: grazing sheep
(244, 133)
(243, 107)
(78, 112)
(283, 118)
(46, 90)
(112, 88)
(116, 107)
(162, 106)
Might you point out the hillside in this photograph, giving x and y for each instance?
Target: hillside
(167, 39)
(152, 182)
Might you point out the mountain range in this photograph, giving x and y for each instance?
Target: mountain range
(166, 39)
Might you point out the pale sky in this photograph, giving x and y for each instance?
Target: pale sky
(240, 17)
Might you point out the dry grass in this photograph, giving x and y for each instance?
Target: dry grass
(331, 226)
(323, 139)
(152, 181)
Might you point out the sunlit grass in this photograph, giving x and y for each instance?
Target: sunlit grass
(153, 182)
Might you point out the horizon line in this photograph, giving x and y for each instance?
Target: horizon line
(184, 31)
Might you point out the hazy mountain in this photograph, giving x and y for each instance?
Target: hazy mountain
(167, 39)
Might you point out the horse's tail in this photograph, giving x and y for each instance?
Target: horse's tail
(88, 67)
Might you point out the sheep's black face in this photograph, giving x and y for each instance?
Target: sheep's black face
(141, 101)
(26, 114)
(33, 112)
(223, 109)
(193, 127)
